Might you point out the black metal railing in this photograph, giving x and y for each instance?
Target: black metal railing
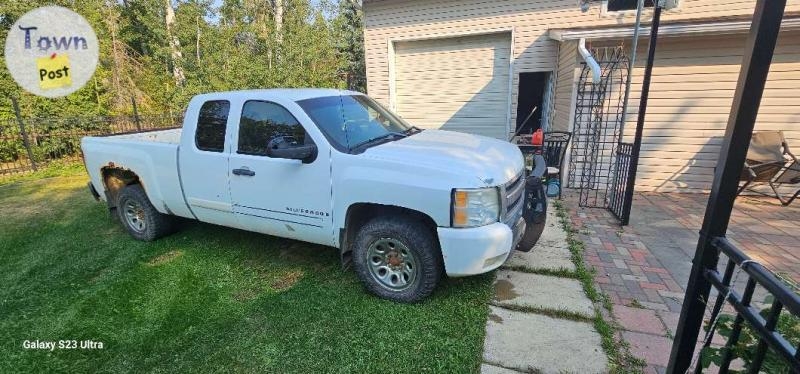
(27, 144)
(756, 61)
(616, 195)
(784, 299)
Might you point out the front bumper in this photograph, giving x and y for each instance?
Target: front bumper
(477, 250)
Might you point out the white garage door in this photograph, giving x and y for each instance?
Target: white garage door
(458, 84)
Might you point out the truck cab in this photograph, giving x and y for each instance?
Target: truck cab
(403, 205)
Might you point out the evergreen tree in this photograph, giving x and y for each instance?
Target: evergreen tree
(349, 26)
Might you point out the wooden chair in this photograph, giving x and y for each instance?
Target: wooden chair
(769, 161)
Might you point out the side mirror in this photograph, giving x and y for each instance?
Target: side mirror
(305, 153)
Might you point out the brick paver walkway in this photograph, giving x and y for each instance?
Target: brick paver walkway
(644, 267)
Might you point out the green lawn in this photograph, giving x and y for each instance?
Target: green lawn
(207, 298)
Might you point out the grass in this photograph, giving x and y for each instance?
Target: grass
(206, 299)
(58, 168)
(617, 350)
(550, 312)
(561, 273)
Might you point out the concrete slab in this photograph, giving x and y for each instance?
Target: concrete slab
(551, 252)
(536, 343)
(542, 257)
(553, 234)
(491, 369)
(541, 291)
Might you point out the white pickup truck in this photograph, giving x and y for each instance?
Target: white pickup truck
(331, 167)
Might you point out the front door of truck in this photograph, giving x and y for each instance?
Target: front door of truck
(278, 196)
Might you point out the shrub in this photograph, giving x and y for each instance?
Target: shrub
(745, 349)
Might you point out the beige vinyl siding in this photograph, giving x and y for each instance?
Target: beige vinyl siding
(387, 20)
(693, 83)
(690, 99)
(564, 110)
(459, 84)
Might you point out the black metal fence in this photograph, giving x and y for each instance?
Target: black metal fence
(616, 192)
(785, 307)
(27, 144)
(598, 126)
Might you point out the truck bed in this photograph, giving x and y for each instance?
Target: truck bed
(171, 136)
(152, 156)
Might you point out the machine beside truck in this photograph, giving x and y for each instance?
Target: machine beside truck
(331, 167)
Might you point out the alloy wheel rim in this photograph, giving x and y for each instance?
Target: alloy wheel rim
(392, 264)
(134, 216)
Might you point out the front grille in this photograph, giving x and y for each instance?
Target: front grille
(513, 194)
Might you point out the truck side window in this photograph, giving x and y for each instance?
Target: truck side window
(210, 134)
(268, 125)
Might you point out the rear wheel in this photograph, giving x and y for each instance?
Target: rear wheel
(139, 217)
(397, 258)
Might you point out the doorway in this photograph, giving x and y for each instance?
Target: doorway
(533, 101)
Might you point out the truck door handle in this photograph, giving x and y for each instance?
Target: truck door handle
(245, 172)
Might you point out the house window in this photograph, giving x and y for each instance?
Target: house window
(623, 5)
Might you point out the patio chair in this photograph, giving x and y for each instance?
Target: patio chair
(554, 148)
(769, 161)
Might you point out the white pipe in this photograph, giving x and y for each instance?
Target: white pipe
(593, 65)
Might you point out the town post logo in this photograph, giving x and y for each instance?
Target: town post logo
(51, 51)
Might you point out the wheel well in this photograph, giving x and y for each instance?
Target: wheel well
(114, 179)
(360, 213)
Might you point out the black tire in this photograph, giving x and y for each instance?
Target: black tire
(398, 235)
(148, 224)
(535, 219)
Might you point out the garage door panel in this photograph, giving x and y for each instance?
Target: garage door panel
(427, 75)
(450, 64)
(489, 50)
(450, 95)
(441, 107)
(453, 44)
(472, 85)
(458, 84)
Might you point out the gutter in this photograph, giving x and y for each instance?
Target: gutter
(587, 56)
(666, 30)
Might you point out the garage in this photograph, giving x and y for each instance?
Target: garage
(458, 83)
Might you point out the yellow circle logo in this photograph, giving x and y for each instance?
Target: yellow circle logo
(51, 51)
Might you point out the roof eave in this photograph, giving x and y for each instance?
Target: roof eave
(664, 30)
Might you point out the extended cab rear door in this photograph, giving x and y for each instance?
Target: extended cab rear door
(203, 160)
(283, 197)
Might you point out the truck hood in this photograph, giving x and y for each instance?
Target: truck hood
(492, 161)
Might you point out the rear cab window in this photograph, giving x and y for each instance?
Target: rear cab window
(211, 124)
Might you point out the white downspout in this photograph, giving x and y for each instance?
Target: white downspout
(593, 65)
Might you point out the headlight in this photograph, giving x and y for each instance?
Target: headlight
(475, 207)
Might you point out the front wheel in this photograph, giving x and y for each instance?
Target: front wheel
(397, 259)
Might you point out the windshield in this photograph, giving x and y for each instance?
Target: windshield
(353, 122)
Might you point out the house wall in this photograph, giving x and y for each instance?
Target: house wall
(386, 20)
(563, 108)
(690, 100)
(691, 94)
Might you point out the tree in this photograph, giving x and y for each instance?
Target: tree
(161, 52)
(349, 26)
